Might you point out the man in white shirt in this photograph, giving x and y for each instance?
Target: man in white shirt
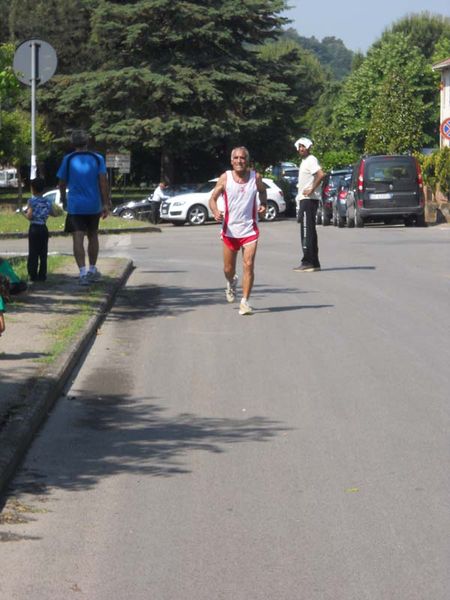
(310, 176)
(158, 196)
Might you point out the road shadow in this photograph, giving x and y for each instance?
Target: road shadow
(21, 356)
(368, 268)
(136, 302)
(115, 434)
(61, 295)
(274, 309)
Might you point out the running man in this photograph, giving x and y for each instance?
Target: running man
(239, 189)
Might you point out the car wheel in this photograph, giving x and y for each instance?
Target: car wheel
(359, 221)
(128, 213)
(319, 216)
(420, 221)
(350, 221)
(271, 211)
(197, 215)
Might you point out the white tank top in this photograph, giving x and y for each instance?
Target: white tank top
(240, 210)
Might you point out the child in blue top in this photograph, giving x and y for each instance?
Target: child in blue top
(38, 210)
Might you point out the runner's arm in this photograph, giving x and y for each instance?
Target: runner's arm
(262, 194)
(216, 193)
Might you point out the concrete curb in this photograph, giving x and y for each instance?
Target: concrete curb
(41, 395)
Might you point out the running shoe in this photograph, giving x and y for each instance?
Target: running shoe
(93, 275)
(230, 291)
(245, 308)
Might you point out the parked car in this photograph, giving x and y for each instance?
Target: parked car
(386, 188)
(330, 186)
(279, 169)
(193, 208)
(134, 209)
(340, 202)
(143, 209)
(53, 195)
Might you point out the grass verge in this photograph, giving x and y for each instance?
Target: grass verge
(63, 331)
(54, 263)
(12, 222)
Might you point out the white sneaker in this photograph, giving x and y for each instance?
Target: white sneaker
(230, 291)
(245, 308)
(93, 275)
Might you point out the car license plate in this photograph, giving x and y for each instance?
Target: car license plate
(381, 196)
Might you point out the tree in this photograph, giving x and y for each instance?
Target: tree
(9, 86)
(65, 24)
(396, 125)
(331, 52)
(176, 77)
(423, 31)
(395, 56)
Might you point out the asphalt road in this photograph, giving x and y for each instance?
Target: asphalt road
(297, 454)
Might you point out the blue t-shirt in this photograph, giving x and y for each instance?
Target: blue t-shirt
(41, 208)
(80, 171)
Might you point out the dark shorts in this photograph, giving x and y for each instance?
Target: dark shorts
(87, 223)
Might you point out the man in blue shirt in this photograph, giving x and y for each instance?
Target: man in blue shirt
(83, 173)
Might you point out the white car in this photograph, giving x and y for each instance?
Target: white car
(55, 198)
(193, 207)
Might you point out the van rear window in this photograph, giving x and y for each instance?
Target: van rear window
(390, 171)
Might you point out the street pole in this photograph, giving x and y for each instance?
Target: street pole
(34, 71)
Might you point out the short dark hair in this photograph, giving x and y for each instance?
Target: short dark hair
(79, 138)
(37, 185)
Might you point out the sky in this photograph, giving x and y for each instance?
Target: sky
(357, 23)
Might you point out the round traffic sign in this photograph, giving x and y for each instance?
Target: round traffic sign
(35, 53)
(445, 128)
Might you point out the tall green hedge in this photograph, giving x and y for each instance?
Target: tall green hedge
(436, 169)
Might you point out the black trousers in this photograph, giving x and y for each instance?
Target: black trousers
(155, 205)
(308, 233)
(37, 252)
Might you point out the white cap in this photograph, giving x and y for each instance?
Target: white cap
(304, 141)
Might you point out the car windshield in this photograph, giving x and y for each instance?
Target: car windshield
(206, 187)
(336, 178)
(390, 170)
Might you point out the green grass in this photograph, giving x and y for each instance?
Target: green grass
(63, 335)
(67, 328)
(54, 263)
(12, 222)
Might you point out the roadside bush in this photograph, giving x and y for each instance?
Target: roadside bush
(436, 170)
(337, 159)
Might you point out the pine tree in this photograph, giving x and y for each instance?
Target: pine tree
(175, 76)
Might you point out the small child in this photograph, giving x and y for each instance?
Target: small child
(4, 296)
(38, 210)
